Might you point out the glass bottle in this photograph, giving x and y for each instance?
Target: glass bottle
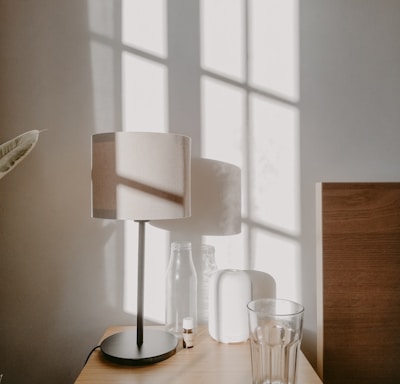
(181, 287)
(209, 267)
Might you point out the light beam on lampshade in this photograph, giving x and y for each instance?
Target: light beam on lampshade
(140, 176)
(215, 198)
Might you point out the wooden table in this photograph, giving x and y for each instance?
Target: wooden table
(208, 362)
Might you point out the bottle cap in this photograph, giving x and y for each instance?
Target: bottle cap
(188, 323)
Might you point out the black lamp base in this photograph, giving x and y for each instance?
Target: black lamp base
(122, 347)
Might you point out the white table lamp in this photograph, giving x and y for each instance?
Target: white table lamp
(140, 176)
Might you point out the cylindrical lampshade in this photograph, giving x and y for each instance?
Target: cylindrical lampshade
(140, 175)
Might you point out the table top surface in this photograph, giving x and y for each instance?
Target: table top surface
(207, 362)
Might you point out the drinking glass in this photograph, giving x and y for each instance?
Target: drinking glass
(276, 328)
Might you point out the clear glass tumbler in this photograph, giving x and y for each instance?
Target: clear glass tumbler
(276, 328)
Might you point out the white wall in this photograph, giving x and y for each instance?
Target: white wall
(55, 259)
(61, 275)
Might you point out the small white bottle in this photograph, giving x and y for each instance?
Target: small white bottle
(188, 334)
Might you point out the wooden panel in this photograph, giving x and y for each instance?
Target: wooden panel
(361, 282)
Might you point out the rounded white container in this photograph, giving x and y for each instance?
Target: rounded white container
(229, 294)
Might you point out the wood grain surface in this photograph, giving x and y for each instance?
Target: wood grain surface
(208, 362)
(361, 282)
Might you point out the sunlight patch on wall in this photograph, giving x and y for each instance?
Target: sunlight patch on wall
(281, 258)
(144, 90)
(223, 121)
(144, 26)
(255, 44)
(274, 183)
(222, 37)
(251, 47)
(273, 47)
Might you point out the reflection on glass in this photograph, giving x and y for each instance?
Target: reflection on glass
(144, 25)
(144, 90)
(222, 37)
(275, 165)
(274, 62)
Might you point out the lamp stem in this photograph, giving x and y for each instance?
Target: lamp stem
(140, 290)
